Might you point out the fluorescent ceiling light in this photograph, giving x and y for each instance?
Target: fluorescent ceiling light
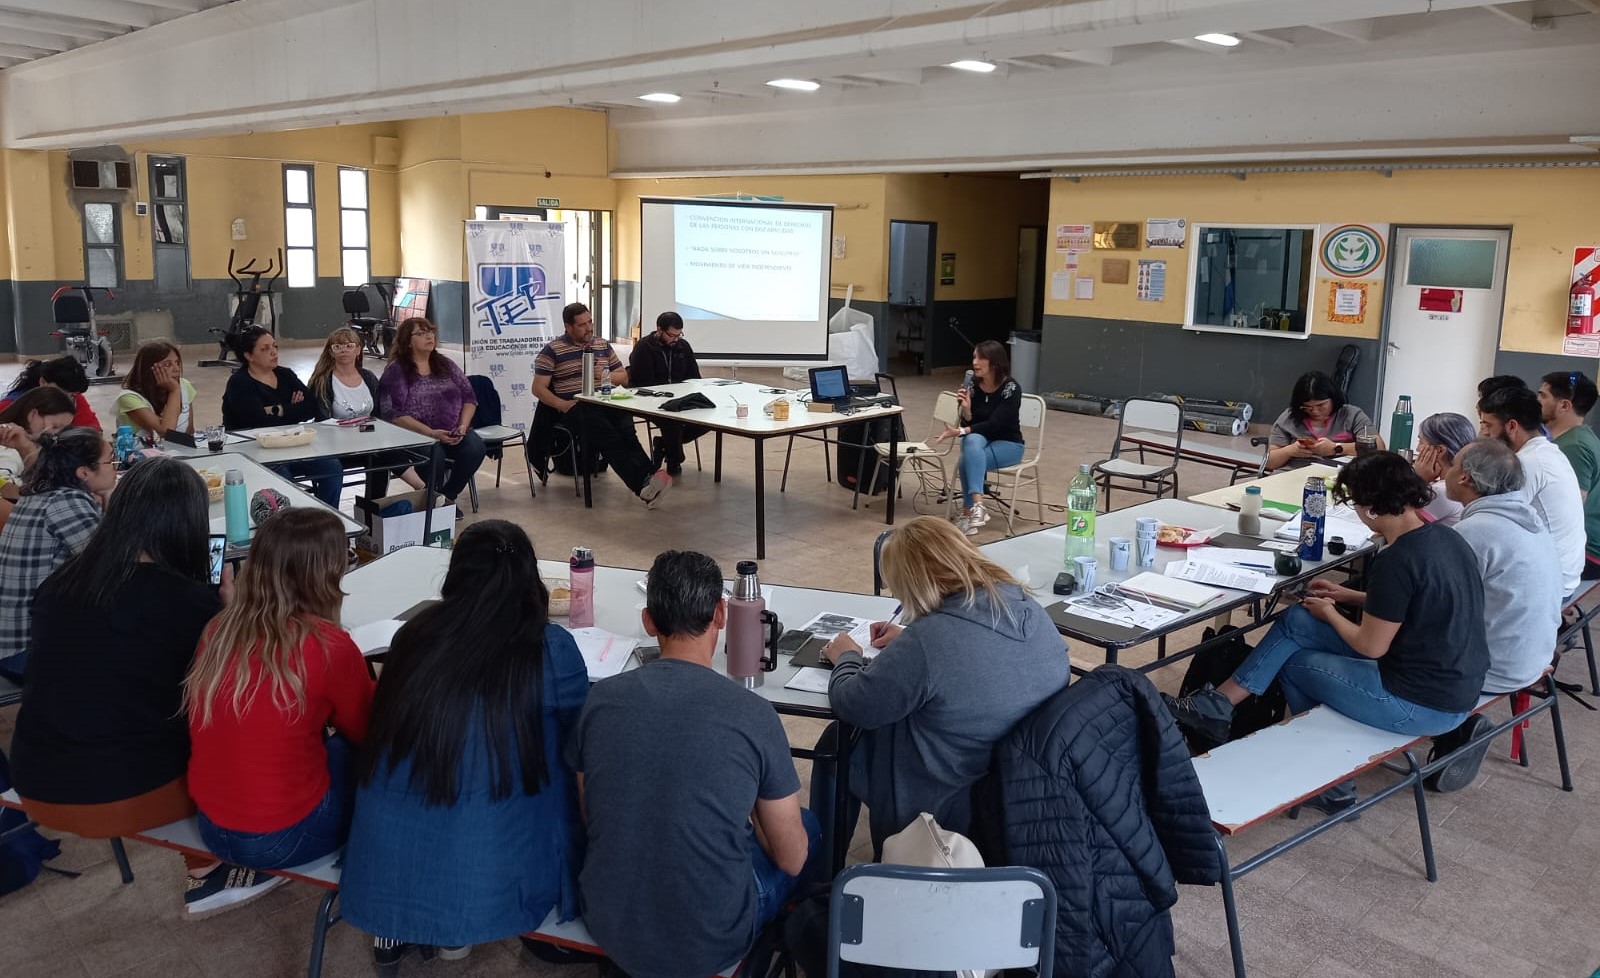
(982, 67)
(666, 97)
(1221, 40)
(795, 84)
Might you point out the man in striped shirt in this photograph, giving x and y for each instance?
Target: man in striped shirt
(558, 380)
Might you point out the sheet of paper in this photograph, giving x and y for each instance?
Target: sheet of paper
(1127, 610)
(827, 625)
(1178, 592)
(1250, 559)
(1084, 288)
(375, 637)
(604, 653)
(1341, 521)
(1282, 546)
(253, 433)
(809, 680)
(1061, 285)
(1220, 575)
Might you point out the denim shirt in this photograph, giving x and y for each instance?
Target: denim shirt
(479, 870)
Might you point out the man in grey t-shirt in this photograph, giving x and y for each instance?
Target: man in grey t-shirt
(695, 829)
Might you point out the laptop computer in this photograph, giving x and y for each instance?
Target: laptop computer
(831, 385)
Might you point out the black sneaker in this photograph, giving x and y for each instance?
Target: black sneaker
(387, 955)
(1463, 767)
(1205, 715)
(674, 469)
(225, 888)
(657, 453)
(1331, 802)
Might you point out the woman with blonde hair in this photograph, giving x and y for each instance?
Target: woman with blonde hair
(274, 670)
(974, 655)
(345, 389)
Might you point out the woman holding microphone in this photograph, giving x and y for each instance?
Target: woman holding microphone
(991, 437)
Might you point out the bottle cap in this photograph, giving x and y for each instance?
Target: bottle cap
(1252, 490)
(745, 567)
(233, 478)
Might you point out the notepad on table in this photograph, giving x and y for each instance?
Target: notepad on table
(375, 637)
(1179, 592)
(603, 653)
(809, 680)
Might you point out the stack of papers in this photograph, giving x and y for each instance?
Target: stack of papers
(604, 653)
(1220, 575)
(809, 680)
(1181, 593)
(1341, 521)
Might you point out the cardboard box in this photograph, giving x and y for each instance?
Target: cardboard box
(388, 534)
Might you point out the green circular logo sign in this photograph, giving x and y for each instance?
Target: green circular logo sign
(1352, 250)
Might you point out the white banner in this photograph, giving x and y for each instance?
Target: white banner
(511, 267)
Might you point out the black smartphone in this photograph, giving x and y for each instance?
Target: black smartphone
(369, 426)
(217, 547)
(1065, 583)
(647, 654)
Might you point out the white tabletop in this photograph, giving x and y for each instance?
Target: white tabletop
(257, 476)
(395, 583)
(727, 396)
(330, 440)
(1283, 486)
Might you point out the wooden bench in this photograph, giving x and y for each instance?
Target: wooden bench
(1238, 461)
(184, 836)
(1259, 777)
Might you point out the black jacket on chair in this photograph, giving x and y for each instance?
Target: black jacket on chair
(1099, 793)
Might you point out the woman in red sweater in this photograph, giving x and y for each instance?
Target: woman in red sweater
(273, 670)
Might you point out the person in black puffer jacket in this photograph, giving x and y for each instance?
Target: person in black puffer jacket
(1099, 793)
(665, 357)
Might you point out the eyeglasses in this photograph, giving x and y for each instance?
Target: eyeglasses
(344, 346)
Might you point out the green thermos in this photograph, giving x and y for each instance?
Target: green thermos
(1400, 425)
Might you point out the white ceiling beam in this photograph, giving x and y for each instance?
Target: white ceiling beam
(76, 29)
(1194, 45)
(1364, 30)
(116, 12)
(1592, 6)
(8, 62)
(22, 50)
(1099, 57)
(1026, 65)
(187, 6)
(1520, 14)
(38, 39)
(908, 76)
(1265, 38)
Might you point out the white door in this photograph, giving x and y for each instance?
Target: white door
(1448, 287)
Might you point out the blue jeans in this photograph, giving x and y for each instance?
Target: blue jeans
(319, 833)
(326, 475)
(461, 460)
(773, 885)
(1316, 666)
(979, 456)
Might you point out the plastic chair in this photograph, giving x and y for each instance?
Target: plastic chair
(496, 437)
(1026, 472)
(1139, 414)
(942, 919)
(923, 460)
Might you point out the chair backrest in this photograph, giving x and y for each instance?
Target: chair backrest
(488, 413)
(942, 919)
(1147, 415)
(1030, 415)
(886, 385)
(946, 409)
(877, 561)
(355, 302)
(70, 309)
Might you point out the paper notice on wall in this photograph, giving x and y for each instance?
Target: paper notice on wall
(1347, 302)
(1084, 288)
(1165, 232)
(1074, 236)
(1581, 346)
(1069, 259)
(1061, 285)
(1152, 286)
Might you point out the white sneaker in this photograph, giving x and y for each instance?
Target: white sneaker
(655, 489)
(965, 525)
(979, 516)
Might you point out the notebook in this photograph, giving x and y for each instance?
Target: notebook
(1185, 594)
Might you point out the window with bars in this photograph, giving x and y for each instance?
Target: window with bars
(355, 249)
(300, 225)
(102, 244)
(169, 223)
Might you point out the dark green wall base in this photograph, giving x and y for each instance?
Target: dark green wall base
(307, 313)
(1121, 358)
(8, 317)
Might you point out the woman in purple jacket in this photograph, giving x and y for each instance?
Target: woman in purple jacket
(423, 391)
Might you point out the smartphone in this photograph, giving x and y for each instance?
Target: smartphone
(218, 546)
(369, 426)
(647, 654)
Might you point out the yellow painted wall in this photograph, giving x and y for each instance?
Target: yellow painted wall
(978, 219)
(5, 221)
(29, 217)
(859, 216)
(1549, 211)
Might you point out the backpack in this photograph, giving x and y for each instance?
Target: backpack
(1215, 665)
(23, 851)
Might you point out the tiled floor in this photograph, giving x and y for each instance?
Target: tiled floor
(1518, 886)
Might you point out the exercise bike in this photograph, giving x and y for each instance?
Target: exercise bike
(72, 308)
(248, 308)
(377, 334)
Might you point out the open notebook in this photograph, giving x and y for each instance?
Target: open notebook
(1185, 594)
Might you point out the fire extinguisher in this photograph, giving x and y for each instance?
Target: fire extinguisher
(1583, 305)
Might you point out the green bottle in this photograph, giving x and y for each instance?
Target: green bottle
(1400, 425)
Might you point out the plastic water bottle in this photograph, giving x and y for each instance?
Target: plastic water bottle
(581, 571)
(125, 445)
(1400, 425)
(1081, 499)
(235, 507)
(1250, 512)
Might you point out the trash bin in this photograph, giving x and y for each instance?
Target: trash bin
(1025, 345)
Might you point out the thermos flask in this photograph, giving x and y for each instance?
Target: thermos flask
(752, 630)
